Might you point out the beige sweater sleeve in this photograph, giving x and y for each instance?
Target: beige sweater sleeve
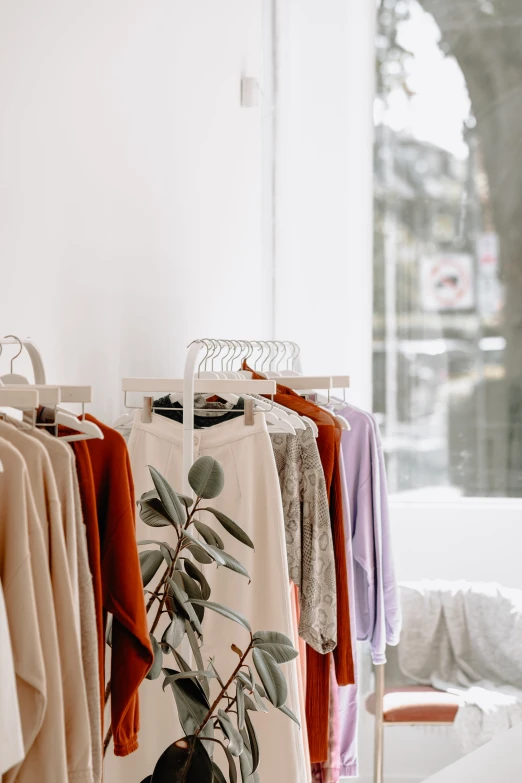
(20, 601)
(68, 658)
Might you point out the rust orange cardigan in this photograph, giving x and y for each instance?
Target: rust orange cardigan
(109, 515)
(318, 666)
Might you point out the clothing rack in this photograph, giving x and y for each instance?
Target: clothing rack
(192, 383)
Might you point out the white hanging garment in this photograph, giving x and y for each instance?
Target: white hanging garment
(252, 497)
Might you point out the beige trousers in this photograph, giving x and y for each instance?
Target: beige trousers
(252, 498)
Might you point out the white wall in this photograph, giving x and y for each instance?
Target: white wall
(324, 185)
(130, 184)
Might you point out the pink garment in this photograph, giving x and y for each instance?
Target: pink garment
(330, 770)
(301, 669)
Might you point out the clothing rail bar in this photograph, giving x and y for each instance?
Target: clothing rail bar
(23, 399)
(305, 382)
(200, 385)
(47, 395)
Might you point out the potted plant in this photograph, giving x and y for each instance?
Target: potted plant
(213, 707)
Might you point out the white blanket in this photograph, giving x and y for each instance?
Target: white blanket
(466, 638)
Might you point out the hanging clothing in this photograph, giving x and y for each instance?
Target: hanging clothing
(318, 669)
(87, 492)
(28, 594)
(121, 583)
(252, 497)
(60, 456)
(330, 770)
(348, 695)
(377, 597)
(309, 545)
(301, 671)
(376, 594)
(68, 660)
(11, 737)
(89, 636)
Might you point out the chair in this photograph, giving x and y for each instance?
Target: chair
(405, 705)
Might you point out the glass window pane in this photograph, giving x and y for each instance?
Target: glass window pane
(447, 354)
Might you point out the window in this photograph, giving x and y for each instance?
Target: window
(447, 350)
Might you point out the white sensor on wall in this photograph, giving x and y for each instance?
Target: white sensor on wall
(249, 92)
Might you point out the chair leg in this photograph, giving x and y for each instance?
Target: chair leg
(378, 774)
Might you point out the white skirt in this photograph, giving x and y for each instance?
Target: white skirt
(252, 498)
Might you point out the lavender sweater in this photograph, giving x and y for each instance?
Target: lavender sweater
(368, 545)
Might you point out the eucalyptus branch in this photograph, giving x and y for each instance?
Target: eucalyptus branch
(224, 689)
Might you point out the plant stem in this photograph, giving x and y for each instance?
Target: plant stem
(223, 690)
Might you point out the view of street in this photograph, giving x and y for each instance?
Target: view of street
(447, 356)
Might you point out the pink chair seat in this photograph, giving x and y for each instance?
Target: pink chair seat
(416, 704)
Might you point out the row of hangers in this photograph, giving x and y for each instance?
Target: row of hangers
(216, 376)
(17, 393)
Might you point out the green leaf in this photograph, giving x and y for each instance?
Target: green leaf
(231, 562)
(231, 527)
(249, 704)
(225, 611)
(232, 772)
(191, 702)
(185, 499)
(108, 631)
(196, 574)
(271, 676)
(259, 701)
(206, 477)
(245, 680)
(240, 700)
(245, 762)
(193, 675)
(208, 534)
(150, 561)
(185, 761)
(199, 554)
(272, 637)
(165, 549)
(174, 633)
(197, 655)
(183, 665)
(213, 552)
(287, 711)
(281, 653)
(184, 603)
(193, 590)
(155, 669)
(218, 775)
(152, 513)
(211, 666)
(254, 746)
(152, 493)
(235, 740)
(172, 505)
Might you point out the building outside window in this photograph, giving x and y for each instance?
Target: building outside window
(447, 350)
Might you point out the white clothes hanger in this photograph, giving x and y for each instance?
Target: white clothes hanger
(284, 413)
(53, 395)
